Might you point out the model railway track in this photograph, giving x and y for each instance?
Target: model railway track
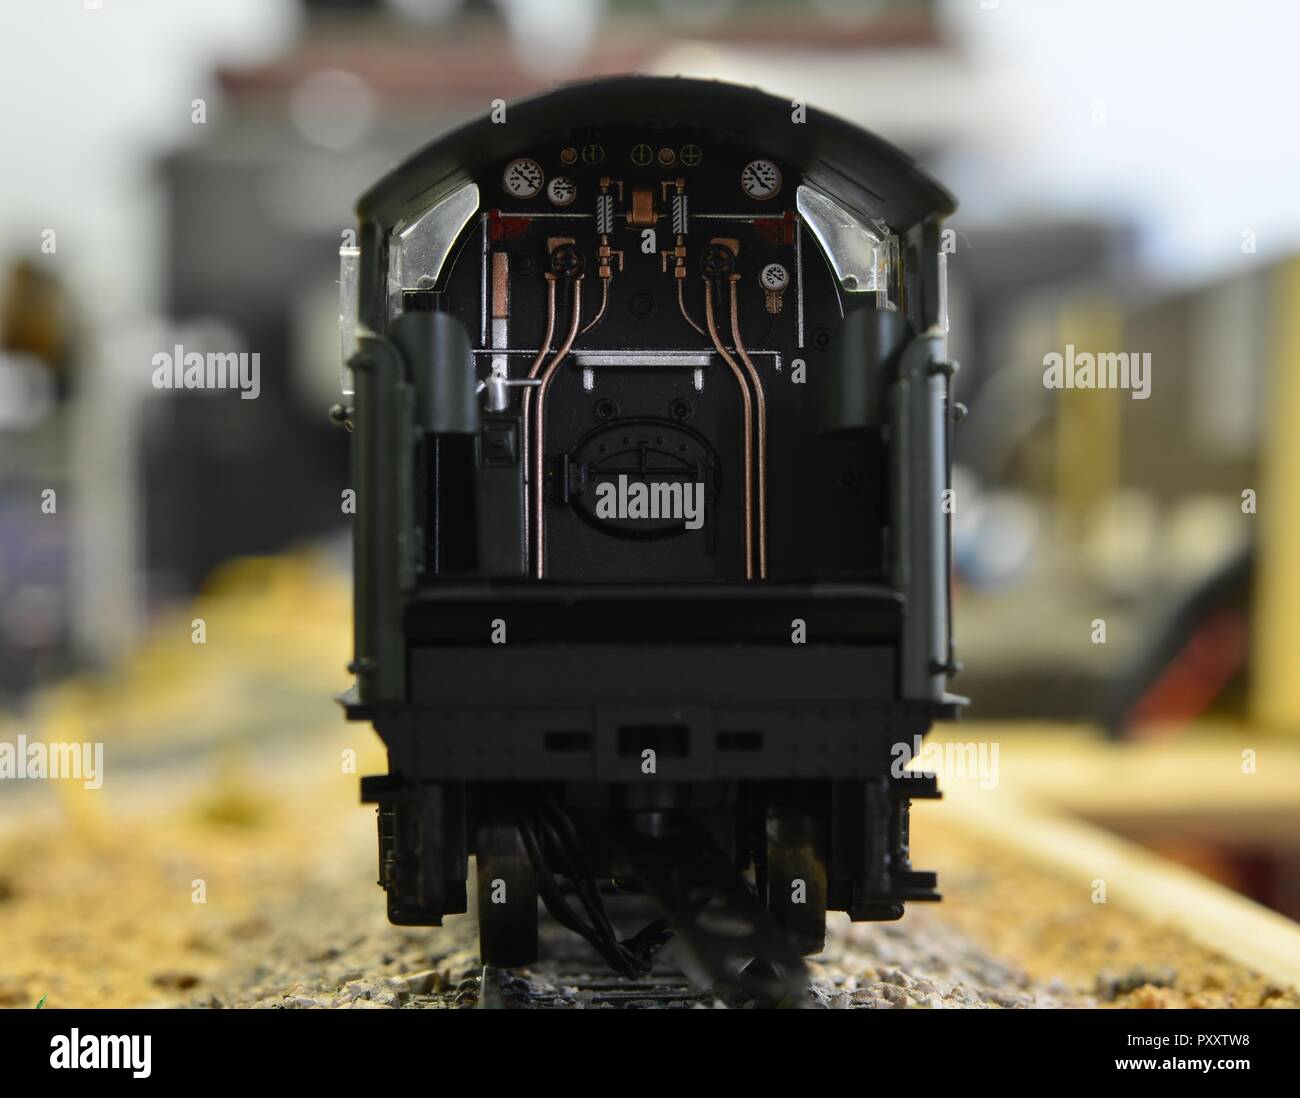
(582, 988)
(571, 975)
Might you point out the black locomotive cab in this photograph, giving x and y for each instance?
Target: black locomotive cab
(649, 394)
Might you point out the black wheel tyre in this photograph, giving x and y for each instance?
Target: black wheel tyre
(507, 897)
(796, 878)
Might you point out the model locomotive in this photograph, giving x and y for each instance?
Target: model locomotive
(650, 411)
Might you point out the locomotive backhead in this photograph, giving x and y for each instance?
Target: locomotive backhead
(650, 405)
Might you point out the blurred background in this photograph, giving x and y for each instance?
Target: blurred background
(1127, 596)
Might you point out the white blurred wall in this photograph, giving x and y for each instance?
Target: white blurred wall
(1176, 113)
(89, 96)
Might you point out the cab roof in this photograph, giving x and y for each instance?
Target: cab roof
(860, 170)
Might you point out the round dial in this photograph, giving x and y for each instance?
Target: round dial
(774, 277)
(523, 178)
(760, 179)
(561, 191)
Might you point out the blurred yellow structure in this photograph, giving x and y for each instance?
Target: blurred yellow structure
(1275, 686)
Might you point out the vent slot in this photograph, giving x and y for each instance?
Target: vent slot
(740, 741)
(671, 741)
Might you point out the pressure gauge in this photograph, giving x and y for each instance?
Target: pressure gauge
(760, 179)
(523, 178)
(774, 277)
(561, 191)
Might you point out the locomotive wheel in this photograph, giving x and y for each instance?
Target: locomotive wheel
(796, 878)
(507, 896)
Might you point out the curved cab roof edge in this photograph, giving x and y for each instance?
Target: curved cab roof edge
(859, 169)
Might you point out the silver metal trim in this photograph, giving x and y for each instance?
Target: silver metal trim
(687, 359)
(500, 342)
(856, 252)
(632, 357)
(349, 300)
(418, 249)
(483, 279)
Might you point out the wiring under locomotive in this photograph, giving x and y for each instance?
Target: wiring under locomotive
(550, 838)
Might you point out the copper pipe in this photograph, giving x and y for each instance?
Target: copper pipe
(500, 285)
(749, 430)
(528, 392)
(681, 304)
(539, 444)
(761, 401)
(604, 303)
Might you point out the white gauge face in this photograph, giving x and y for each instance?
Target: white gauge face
(561, 191)
(523, 178)
(760, 179)
(774, 277)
